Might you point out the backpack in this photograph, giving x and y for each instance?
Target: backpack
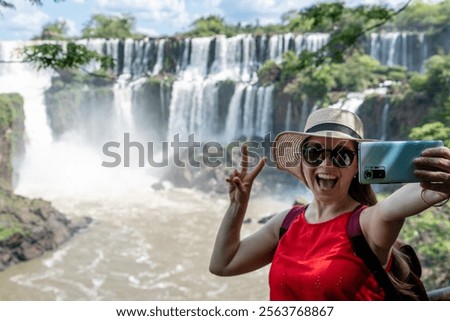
(363, 250)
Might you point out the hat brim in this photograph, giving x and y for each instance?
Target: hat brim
(286, 150)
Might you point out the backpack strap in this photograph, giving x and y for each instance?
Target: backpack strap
(363, 250)
(289, 218)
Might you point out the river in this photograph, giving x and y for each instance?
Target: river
(144, 245)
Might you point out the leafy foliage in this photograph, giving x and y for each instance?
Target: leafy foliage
(59, 56)
(357, 73)
(101, 26)
(423, 16)
(435, 84)
(210, 26)
(54, 31)
(71, 55)
(269, 73)
(436, 130)
(428, 233)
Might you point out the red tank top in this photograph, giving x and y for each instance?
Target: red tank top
(316, 262)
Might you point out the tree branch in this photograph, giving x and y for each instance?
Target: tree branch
(388, 17)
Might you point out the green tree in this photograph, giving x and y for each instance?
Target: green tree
(346, 27)
(435, 84)
(101, 26)
(66, 56)
(423, 16)
(431, 131)
(358, 72)
(310, 84)
(54, 31)
(210, 26)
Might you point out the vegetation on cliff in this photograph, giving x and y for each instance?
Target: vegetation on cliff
(28, 227)
(428, 234)
(11, 136)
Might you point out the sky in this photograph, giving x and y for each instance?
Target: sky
(154, 18)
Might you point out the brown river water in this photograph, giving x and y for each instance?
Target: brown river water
(151, 245)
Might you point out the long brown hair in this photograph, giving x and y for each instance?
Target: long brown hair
(364, 194)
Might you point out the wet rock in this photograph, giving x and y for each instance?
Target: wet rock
(30, 227)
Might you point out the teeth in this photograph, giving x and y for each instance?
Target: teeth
(326, 176)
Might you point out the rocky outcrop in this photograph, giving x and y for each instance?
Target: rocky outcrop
(207, 169)
(28, 227)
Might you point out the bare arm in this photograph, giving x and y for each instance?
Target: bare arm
(382, 222)
(231, 255)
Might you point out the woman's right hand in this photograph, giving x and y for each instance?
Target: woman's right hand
(240, 182)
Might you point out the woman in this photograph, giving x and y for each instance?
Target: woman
(314, 260)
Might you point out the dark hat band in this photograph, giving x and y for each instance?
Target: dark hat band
(334, 127)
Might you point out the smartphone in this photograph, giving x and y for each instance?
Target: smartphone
(388, 162)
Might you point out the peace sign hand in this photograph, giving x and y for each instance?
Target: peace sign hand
(241, 181)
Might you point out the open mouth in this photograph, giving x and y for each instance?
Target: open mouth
(326, 181)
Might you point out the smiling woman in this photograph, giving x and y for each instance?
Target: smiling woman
(314, 259)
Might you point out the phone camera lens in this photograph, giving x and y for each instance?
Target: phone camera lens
(368, 174)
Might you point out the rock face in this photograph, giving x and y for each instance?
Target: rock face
(207, 172)
(11, 137)
(28, 227)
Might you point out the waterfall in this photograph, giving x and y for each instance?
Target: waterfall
(123, 106)
(198, 102)
(159, 58)
(351, 102)
(248, 126)
(18, 77)
(390, 44)
(397, 49)
(288, 120)
(384, 120)
(424, 52)
(303, 115)
(233, 120)
(205, 63)
(264, 110)
(71, 165)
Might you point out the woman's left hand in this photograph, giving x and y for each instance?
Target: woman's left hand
(433, 169)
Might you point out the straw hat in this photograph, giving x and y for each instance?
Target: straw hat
(326, 122)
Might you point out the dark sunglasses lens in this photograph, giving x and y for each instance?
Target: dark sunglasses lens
(342, 157)
(313, 154)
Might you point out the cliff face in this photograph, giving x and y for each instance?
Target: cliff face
(11, 137)
(28, 227)
(388, 118)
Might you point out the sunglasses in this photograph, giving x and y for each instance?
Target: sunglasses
(314, 154)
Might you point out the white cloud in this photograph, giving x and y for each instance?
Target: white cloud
(71, 26)
(27, 24)
(173, 5)
(158, 17)
(148, 31)
(146, 9)
(265, 11)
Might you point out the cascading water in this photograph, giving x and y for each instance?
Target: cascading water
(384, 120)
(144, 244)
(398, 49)
(141, 245)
